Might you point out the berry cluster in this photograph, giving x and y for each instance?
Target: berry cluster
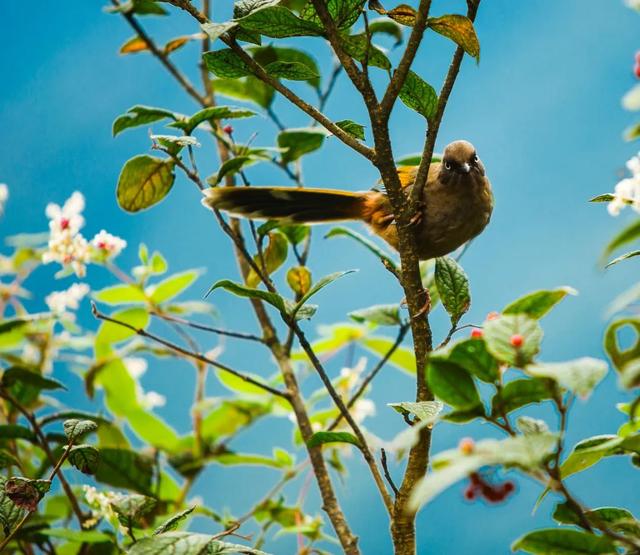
(479, 487)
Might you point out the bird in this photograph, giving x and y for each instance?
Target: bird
(456, 206)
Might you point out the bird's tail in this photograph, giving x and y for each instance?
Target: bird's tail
(287, 203)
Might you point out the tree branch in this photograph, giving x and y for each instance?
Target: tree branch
(204, 327)
(189, 354)
(401, 72)
(434, 122)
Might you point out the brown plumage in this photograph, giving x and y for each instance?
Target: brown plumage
(457, 203)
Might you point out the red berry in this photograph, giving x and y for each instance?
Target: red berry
(636, 70)
(516, 340)
(466, 445)
(493, 315)
(469, 494)
(228, 129)
(64, 223)
(508, 487)
(476, 333)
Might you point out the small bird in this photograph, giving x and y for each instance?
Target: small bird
(456, 206)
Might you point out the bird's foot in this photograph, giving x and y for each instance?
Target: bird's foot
(425, 309)
(417, 218)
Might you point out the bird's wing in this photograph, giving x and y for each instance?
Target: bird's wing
(407, 175)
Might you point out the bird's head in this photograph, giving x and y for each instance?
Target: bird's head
(460, 159)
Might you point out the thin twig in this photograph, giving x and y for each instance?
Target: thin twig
(374, 371)
(158, 53)
(204, 327)
(387, 474)
(197, 356)
(326, 381)
(435, 121)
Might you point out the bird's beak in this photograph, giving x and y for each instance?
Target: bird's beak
(465, 168)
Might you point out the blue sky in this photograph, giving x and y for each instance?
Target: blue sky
(543, 109)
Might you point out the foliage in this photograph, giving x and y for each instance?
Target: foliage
(137, 471)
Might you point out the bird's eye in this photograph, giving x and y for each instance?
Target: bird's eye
(447, 165)
(475, 158)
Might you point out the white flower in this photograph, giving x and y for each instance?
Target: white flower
(136, 366)
(100, 503)
(627, 191)
(152, 399)
(61, 301)
(107, 245)
(349, 376)
(4, 196)
(67, 217)
(363, 408)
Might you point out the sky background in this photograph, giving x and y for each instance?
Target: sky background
(542, 108)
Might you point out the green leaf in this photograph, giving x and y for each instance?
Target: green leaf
(402, 358)
(132, 509)
(144, 181)
(563, 542)
(352, 128)
(249, 89)
(387, 27)
(299, 142)
(425, 411)
(320, 284)
(622, 257)
(472, 355)
(294, 71)
(231, 167)
(122, 468)
(613, 517)
(459, 29)
(343, 12)
(498, 334)
(279, 22)
(75, 429)
(85, 458)
(356, 47)
(10, 513)
(267, 55)
(141, 115)
(367, 243)
(453, 288)
(632, 133)
(273, 299)
(579, 376)
(7, 460)
(120, 294)
(212, 113)
(607, 197)
(588, 452)
(537, 304)
(452, 384)
(229, 416)
(111, 333)
(237, 384)
(15, 431)
(172, 286)
(225, 63)
(621, 357)
(16, 374)
(519, 393)
(381, 315)
(273, 256)
(187, 543)
(26, 493)
(463, 416)
(320, 438)
(629, 234)
(77, 536)
(174, 522)
(418, 95)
